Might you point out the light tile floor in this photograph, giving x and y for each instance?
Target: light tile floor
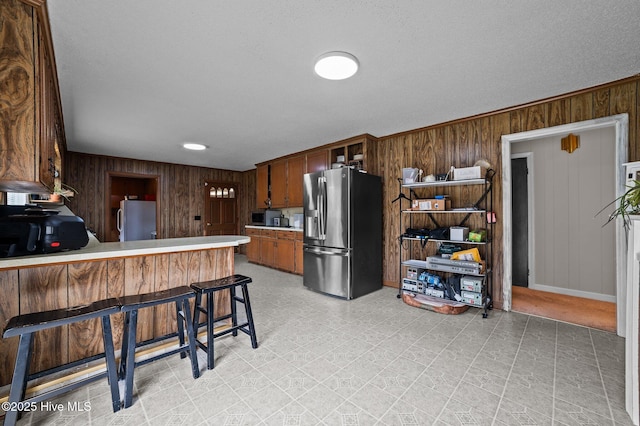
(374, 361)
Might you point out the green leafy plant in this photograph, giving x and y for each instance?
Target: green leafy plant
(628, 205)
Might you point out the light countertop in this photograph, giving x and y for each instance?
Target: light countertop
(275, 228)
(98, 251)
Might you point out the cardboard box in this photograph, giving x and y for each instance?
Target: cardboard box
(472, 254)
(458, 233)
(464, 173)
(478, 235)
(431, 204)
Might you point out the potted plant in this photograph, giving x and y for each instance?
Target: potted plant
(61, 190)
(629, 205)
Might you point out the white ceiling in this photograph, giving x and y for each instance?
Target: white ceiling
(139, 78)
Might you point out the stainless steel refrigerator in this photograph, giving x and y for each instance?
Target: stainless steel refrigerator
(342, 232)
(136, 220)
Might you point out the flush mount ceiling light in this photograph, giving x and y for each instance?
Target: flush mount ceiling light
(336, 65)
(194, 146)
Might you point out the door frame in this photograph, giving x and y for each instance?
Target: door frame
(620, 123)
(109, 175)
(530, 222)
(626, 310)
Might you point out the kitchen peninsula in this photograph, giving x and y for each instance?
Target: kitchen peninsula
(101, 270)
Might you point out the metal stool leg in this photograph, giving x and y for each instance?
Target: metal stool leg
(180, 327)
(247, 307)
(20, 372)
(131, 322)
(110, 359)
(234, 312)
(210, 355)
(186, 317)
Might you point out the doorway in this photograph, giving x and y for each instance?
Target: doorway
(626, 316)
(132, 186)
(220, 208)
(521, 218)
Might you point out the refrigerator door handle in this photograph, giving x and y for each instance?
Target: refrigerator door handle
(331, 253)
(119, 220)
(322, 208)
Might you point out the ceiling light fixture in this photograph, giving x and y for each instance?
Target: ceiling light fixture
(336, 65)
(194, 146)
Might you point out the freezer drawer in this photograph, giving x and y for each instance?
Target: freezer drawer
(328, 271)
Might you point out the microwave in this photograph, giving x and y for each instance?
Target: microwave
(264, 217)
(257, 218)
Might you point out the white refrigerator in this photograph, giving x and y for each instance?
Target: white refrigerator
(136, 220)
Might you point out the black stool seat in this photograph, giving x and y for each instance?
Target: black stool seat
(130, 306)
(27, 324)
(209, 288)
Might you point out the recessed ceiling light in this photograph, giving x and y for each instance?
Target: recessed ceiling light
(194, 146)
(336, 65)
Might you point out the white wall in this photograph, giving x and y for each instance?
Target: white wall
(573, 253)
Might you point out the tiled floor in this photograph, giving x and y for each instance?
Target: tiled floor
(375, 360)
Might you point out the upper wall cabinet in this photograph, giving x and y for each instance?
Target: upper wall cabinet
(262, 186)
(317, 161)
(354, 152)
(32, 142)
(286, 182)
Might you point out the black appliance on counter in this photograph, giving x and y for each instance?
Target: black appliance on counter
(28, 230)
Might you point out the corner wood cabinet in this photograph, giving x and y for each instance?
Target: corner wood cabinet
(32, 141)
(439, 279)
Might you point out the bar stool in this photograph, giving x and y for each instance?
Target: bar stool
(209, 288)
(26, 325)
(130, 306)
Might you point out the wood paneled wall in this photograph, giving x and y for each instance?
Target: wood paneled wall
(462, 142)
(434, 149)
(181, 193)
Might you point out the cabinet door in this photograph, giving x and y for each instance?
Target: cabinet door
(295, 172)
(284, 255)
(253, 248)
(279, 183)
(317, 161)
(267, 252)
(262, 186)
(17, 134)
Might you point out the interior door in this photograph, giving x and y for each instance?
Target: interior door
(520, 222)
(221, 207)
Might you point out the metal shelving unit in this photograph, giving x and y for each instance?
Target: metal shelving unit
(483, 205)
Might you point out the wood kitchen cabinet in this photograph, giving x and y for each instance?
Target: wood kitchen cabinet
(317, 161)
(283, 253)
(272, 248)
(262, 186)
(32, 141)
(286, 182)
(253, 248)
(298, 254)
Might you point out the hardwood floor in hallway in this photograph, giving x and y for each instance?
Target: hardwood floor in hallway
(571, 309)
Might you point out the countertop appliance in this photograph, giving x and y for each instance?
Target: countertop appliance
(38, 231)
(342, 232)
(265, 217)
(136, 220)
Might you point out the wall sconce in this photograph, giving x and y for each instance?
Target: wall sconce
(570, 143)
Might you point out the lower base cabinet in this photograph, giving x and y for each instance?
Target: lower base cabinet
(275, 249)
